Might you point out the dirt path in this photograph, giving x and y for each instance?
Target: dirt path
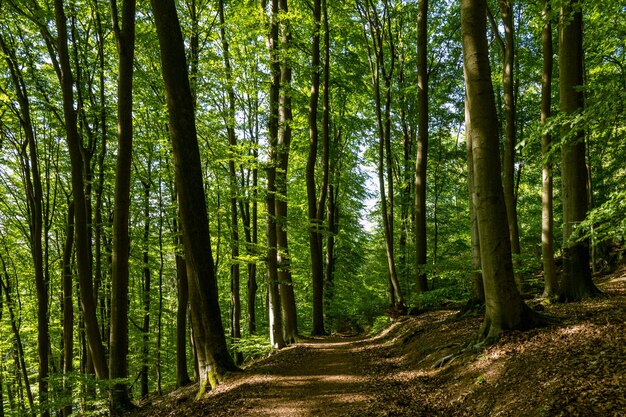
(314, 378)
(572, 368)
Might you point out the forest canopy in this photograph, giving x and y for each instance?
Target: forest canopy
(186, 185)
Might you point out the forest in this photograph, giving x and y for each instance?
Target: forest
(189, 187)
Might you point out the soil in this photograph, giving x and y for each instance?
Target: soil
(575, 367)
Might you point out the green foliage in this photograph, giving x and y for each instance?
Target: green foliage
(380, 323)
(253, 347)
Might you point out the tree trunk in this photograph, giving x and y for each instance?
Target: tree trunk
(275, 314)
(214, 359)
(504, 306)
(118, 364)
(547, 205)
(478, 290)
(68, 311)
(83, 251)
(146, 288)
(182, 373)
(422, 146)
(508, 169)
(287, 296)
(576, 282)
(235, 298)
(34, 197)
(315, 236)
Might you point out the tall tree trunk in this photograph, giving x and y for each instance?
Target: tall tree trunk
(34, 198)
(576, 282)
(315, 236)
(20, 362)
(83, 251)
(146, 288)
(235, 298)
(118, 364)
(68, 311)
(382, 38)
(287, 296)
(422, 146)
(547, 205)
(508, 169)
(214, 359)
(182, 373)
(275, 315)
(504, 306)
(478, 290)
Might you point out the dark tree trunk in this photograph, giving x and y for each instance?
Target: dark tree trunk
(83, 246)
(68, 310)
(504, 306)
(422, 146)
(576, 282)
(214, 360)
(146, 288)
(508, 169)
(287, 296)
(118, 364)
(235, 298)
(547, 206)
(315, 235)
(182, 373)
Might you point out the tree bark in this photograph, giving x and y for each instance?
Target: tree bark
(182, 373)
(214, 359)
(118, 338)
(275, 314)
(422, 146)
(68, 310)
(576, 281)
(508, 169)
(146, 287)
(504, 306)
(235, 298)
(287, 296)
(315, 236)
(83, 247)
(547, 204)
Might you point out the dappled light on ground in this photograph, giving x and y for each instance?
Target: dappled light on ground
(574, 367)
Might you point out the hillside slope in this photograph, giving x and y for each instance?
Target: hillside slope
(576, 367)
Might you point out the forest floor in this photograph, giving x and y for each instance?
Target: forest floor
(576, 367)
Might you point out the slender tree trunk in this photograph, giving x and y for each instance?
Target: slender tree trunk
(20, 364)
(504, 306)
(235, 298)
(315, 245)
(382, 37)
(118, 364)
(422, 146)
(83, 251)
(214, 359)
(146, 288)
(287, 296)
(576, 282)
(68, 311)
(508, 169)
(275, 314)
(34, 197)
(547, 206)
(182, 373)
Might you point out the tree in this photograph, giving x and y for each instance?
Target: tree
(118, 365)
(422, 145)
(82, 244)
(214, 359)
(504, 306)
(315, 232)
(380, 40)
(275, 314)
(576, 282)
(547, 203)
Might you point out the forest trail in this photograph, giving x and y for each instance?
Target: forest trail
(575, 367)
